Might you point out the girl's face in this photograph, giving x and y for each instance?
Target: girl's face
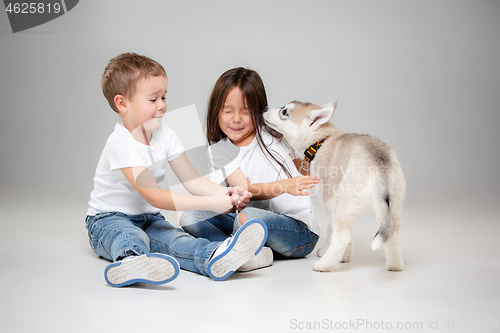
(235, 119)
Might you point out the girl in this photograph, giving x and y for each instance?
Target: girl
(246, 152)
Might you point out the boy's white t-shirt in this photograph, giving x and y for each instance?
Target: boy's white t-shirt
(112, 191)
(225, 158)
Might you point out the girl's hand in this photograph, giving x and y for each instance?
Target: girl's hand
(300, 185)
(242, 196)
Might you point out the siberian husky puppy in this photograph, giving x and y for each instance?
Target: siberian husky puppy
(357, 172)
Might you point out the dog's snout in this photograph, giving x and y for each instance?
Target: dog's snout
(266, 109)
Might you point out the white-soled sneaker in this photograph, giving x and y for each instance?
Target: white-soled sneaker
(152, 268)
(237, 250)
(261, 260)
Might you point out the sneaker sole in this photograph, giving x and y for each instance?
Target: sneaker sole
(151, 268)
(248, 241)
(263, 259)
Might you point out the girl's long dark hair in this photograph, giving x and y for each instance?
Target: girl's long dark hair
(252, 87)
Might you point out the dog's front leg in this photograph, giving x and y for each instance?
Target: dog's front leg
(329, 204)
(347, 254)
(334, 254)
(329, 234)
(341, 220)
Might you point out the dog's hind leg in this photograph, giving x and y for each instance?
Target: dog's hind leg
(393, 258)
(388, 210)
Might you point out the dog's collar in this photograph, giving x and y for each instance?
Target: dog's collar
(310, 152)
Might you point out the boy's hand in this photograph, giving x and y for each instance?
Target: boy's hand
(241, 196)
(300, 185)
(224, 201)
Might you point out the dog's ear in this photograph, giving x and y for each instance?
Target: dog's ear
(321, 116)
(331, 104)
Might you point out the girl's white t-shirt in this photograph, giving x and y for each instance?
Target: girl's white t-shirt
(112, 191)
(225, 158)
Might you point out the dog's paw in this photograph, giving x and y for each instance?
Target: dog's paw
(395, 267)
(321, 251)
(321, 266)
(347, 255)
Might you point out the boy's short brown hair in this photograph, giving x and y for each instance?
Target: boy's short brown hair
(122, 73)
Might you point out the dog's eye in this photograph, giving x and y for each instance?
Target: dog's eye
(283, 112)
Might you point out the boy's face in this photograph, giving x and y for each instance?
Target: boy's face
(148, 105)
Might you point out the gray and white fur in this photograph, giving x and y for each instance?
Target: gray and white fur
(357, 172)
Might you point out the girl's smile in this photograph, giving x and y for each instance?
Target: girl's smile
(235, 119)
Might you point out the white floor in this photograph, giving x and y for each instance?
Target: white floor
(51, 281)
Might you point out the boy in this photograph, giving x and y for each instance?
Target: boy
(124, 222)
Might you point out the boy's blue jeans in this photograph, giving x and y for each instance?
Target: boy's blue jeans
(286, 236)
(115, 236)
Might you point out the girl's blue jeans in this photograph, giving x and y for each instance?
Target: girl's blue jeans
(286, 236)
(115, 236)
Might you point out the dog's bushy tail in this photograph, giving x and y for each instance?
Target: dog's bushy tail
(383, 211)
(383, 233)
(388, 195)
